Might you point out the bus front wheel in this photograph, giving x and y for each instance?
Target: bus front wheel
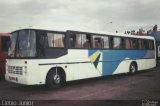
(54, 79)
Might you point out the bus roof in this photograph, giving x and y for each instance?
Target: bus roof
(39, 30)
(95, 33)
(114, 34)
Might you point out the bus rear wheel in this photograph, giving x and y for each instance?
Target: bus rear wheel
(54, 79)
(133, 68)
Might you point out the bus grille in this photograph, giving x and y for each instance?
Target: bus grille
(15, 70)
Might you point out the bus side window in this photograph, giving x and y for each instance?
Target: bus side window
(55, 40)
(86, 41)
(117, 43)
(111, 42)
(105, 42)
(151, 44)
(97, 41)
(43, 42)
(134, 44)
(141, 44)
(58, 40)
(122, 43)
(145, 43)
(127, 43)
(72, 40)
(75, 41)
(50, 39)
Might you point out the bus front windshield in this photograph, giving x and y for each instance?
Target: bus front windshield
(23, 44)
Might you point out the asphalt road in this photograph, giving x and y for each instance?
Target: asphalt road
(141, 86)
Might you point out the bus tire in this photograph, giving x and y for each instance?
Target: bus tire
(133, 68)
(54, 79)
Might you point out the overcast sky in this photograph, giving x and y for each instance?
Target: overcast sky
(82, 15)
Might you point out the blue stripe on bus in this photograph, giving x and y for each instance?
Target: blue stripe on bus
(113, 58)
(110, 67)
(91, 52)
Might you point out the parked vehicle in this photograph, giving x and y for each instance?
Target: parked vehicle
(53, 57)
(4, 45)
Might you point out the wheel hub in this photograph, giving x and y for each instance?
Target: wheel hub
(56, 79)
(133, 69)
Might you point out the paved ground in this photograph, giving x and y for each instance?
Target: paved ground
(141, 86)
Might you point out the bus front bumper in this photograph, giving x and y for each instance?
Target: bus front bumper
(20, 79)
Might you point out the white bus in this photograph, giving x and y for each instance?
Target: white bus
(54, 57)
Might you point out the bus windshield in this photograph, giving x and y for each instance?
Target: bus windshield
(23, 44)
